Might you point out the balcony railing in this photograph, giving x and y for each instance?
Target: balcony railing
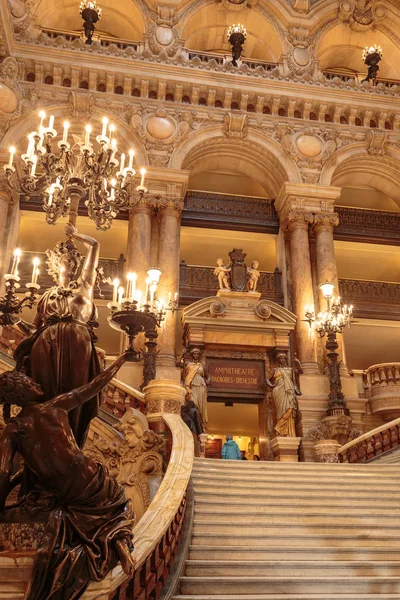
(199, 282)
(372, 299)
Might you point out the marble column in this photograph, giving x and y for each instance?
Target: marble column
(302, 289)
(324, 224)
(138, 252)
(9, 229)
(168, 261)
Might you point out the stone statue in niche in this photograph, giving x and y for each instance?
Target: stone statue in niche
(195, 381)
(284, 395)
(88, 517)
(237, 277)
(253, 275)
(59, 353)
(223, 274)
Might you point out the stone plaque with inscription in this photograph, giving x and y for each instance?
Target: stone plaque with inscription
(235, 378)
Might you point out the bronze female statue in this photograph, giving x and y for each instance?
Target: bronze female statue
(196, 380)
(60, 354)
(284, 394)
(90, 522)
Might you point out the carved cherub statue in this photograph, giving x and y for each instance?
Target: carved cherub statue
(253, 275)
(222, 272)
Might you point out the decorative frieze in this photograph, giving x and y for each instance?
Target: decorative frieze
(374, 226)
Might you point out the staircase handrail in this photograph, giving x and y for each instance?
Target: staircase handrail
(157, 534)
(371, 444)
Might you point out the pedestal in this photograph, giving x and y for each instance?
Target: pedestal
(164, 396)
(286, 449)
(203, 443)
(326, 451)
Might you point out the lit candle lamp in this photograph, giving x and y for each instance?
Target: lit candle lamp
(33, 166)
(16, 259)
(88, 130)
(51, 122)
(65, 133)
(37, 273)
(112, 131)
(115, 290)
(121, 292)
(36, 263)
(122, 163)
(42, 115)
(12, 152)
(112, 192)
(143, 174)
(146, 296)
(131, 155)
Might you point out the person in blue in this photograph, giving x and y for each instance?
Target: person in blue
(230, 450)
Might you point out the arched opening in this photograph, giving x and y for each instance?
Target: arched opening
(340, 50)
(206, 30)
(118, 20)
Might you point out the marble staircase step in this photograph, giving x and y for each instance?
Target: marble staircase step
(254, 475)
(288, 540)
(292, 504)
(271, 494)
(310, 512)
(239, 528)
(346, 553)
(369, 487)
(322, 596)
(291, 568)
(298, 490)
(290, 585)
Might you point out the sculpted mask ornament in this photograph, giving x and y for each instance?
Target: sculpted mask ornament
(361, 15)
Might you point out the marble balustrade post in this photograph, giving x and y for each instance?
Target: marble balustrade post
(302, 289)
(168, 261)
(323, 227)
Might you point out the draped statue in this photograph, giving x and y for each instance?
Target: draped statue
(59, 353)
(195, 382)
(284, 395)
(90, 519)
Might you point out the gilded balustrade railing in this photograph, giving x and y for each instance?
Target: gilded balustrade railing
(372, 444)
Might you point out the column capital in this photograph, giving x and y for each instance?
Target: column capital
(173, 205)
(306, 197)
(325, 221)
(298, 219)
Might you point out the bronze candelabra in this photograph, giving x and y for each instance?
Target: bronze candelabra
(330, 323)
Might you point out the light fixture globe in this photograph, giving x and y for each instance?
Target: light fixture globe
(327, 289)
(154, 274)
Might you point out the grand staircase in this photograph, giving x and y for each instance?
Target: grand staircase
(304, 531)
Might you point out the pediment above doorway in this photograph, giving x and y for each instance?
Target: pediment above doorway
(238, 319)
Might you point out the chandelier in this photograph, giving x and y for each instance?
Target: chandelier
(90, 13)
(238, 29)
(335, 318)
(133, 313)
(10, 304)
(80, 168)
(370, 50)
